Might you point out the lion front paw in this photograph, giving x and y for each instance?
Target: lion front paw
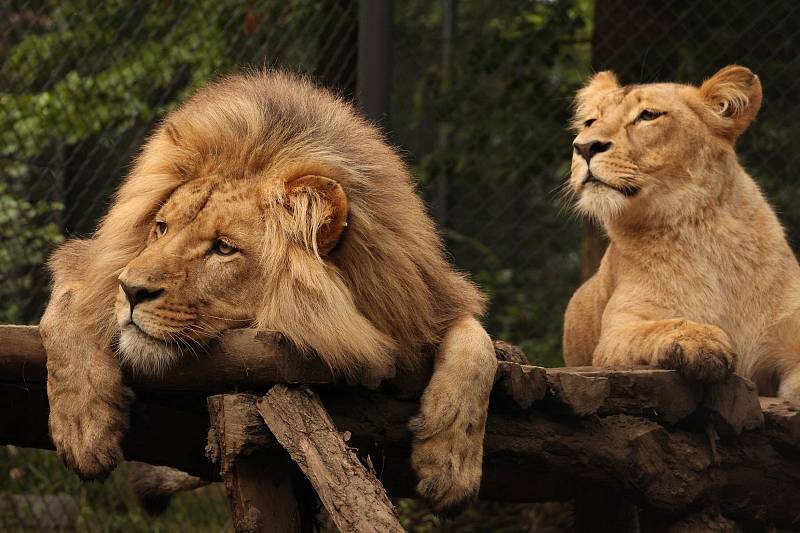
(447, 456)
(701, 353)
(87, 432)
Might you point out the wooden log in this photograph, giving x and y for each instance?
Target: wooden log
(260, 486)
(523, 384)
(733, 405)
(754, 474)
(241, 359)
(532, 457)
(577, 394)
(354, 498)
(662, 395)
(22, 356)
(782, 423)
(509, 353)
(673, 472)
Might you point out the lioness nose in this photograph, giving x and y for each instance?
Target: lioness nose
(136, 294)
(589, 149)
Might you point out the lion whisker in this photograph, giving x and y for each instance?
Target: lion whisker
(228, 319)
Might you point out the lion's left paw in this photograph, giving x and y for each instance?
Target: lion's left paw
(448, 460)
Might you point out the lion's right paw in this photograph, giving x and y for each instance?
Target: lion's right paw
(88, 434)
(447, 453)
(449, 471)
(701, 353)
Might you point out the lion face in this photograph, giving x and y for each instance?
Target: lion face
(197, 276)
(648, 152)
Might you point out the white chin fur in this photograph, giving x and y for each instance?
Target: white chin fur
(144, 354)
(601, 203)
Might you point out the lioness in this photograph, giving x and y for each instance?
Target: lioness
(264, 201)
(698, 275)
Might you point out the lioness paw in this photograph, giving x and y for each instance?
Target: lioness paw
(701, 353)
(447, 453)
(87, 432)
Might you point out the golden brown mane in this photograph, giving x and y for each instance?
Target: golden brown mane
(390, 258)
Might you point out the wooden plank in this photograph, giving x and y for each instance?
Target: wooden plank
(22, 356)
(733, 405)
(260, 486)
(354, 498)
(577, 394)
(523, 384)
(782, 422)
(662, 395)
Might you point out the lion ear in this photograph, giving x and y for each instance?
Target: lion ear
(319, 210)
(734, 95)
(588, 97)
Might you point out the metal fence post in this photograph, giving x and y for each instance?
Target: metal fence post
(375, 59)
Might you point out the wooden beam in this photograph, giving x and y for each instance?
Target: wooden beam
(354, 498)
(260, 486)
(649, 441)
(543, 457)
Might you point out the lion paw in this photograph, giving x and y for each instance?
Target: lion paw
(87, 432)
(447, 456)
(701, 353)
(371, 377)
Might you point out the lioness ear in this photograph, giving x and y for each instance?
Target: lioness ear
(319, 209)
(602, 82)
(734, 95)
(589, 96)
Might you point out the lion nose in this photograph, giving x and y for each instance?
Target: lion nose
(137, 294)
(589, 149)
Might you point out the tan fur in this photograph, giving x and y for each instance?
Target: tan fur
(698, 275)
(335, 251)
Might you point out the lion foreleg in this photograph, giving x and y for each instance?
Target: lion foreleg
(448, 432)
(89, 402)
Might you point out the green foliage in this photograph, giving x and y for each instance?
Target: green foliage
(26, 233)
(104, 506)
(81, 91)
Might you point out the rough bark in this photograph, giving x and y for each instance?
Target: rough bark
(354, 498)
(522, 384)
(543, 457)
(260, 487)
(649, 440)
(577, 394)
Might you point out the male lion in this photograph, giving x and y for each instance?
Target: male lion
(698, 275)
(266, 202)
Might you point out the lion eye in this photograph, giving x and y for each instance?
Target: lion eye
(161, 228)
(648, 114)
(223, 248)
(589, 122)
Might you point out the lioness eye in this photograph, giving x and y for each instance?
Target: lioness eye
(649, 114)
(223, 248)
(161, 228)
(589, 122)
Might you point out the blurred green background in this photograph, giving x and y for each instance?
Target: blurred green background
(480, 94)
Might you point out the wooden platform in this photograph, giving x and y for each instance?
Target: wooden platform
(645, 436)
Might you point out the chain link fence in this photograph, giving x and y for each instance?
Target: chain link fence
(480, 99)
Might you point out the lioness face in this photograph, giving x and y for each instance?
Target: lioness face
(638, 152)
(196, 275)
